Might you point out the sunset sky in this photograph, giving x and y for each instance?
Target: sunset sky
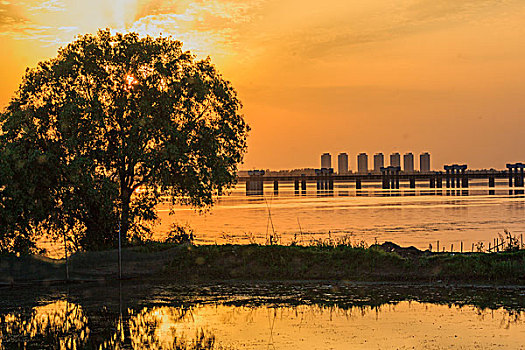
(351, 76)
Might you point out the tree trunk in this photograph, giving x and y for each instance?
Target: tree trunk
(124, 216)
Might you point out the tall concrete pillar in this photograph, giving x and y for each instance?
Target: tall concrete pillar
(303, 186)
(275, 187)
(510, 176)
(296, 186)
(464, 178)
(385, 179)
(432, 182)
(516, 176)
(492, 184)
(358, 184)
(447, 177)
(439, 181)
(412, 182)
(248, 187)
(453, 178)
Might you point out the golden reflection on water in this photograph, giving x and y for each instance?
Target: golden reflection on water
(66, 325)
(156, 328)
(62, 324)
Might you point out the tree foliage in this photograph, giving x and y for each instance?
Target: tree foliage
(97, 136)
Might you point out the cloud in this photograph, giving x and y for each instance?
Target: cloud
(233, 11)
(208, 27)
(49, 5)
(354, 29)
(10, 15)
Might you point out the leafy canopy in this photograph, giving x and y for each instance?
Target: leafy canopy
(97, 136)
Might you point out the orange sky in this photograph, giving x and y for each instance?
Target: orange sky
(351, 76)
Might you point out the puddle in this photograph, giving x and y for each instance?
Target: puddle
(263, 315)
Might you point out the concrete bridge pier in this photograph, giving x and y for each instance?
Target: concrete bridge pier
(390, 177)
(464, 179)
(303, 186)
(456, 175)
(385, 180)
(254, 188)
(492, 184)
(357, 184)
(296, 186)
(509, 166)
(255, 183)
(432, 182)
(515, 173)
(520, 178)
(275, 187)
(324, 177)
(413, 182)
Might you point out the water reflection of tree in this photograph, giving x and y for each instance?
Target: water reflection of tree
(85, 323)
(60, 325)
(65, 325)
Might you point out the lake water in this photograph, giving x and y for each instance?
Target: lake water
(406, 216)
(263, 316)
(417, 217)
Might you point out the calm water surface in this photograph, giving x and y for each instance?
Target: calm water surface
(265, 316)
(410, 217)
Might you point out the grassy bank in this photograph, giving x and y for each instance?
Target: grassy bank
(376, 263)
(386, 262)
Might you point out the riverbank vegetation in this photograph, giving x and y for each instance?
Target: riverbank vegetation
(192, 263)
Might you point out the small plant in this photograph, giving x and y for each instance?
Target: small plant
(180, 234)
(361, 244)
(273, 238)
(294, 241)
(344, 241)
(512, 242)
(228, 238)
(480, 247)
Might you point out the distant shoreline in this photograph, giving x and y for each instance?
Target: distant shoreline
(189, 263)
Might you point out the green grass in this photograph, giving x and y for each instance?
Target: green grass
(285, 262)
(509, 266)
(168, 262)
(343, 262)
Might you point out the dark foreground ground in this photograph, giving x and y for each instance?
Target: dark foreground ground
(164, 262)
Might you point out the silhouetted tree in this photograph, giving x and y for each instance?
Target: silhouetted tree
(94, 137)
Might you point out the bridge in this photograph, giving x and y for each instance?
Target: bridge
(453, 176)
